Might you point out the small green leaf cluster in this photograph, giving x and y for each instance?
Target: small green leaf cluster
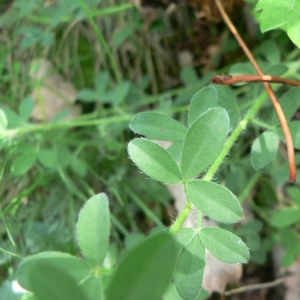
(194, 148)
(52, 156)
(57, 275)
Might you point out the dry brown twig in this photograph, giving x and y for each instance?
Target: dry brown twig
(276, 104)
(258, 286)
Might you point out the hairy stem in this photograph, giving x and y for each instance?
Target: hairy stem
(215, 166)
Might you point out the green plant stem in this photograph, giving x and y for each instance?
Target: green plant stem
(95, 13)
(234, 136)
(215, 166)
(181, 218)
(10, 253)
(263, 124)
(64, 124)
(102, 41)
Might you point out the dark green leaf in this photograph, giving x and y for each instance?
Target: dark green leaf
(276, 69)
(204, 142)
(93, 229)
(154, 161)
(295, 131)
(146, 271)
(285, 217)
(290, 102)
(214, 201)
(50, 282)
(271, 52)
(23, 163)
(158, 126)
(55, 275)
(48, 158)
(224, 245)
(79, 166)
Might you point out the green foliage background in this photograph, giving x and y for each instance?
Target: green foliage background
(50, 169)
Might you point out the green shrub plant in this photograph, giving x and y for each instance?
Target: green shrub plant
(209, 155)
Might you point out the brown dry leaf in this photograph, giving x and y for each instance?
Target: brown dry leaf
(52, 93)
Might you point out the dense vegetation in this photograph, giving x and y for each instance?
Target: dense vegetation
(91, 92)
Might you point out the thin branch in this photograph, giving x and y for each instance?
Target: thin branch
(258, 286)
(276, 104)
(233, 79)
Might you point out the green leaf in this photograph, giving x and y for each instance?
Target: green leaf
(224, 245)
(13, 119)
(264, 149)
(79, 166)
(121, 36)
(87, 95)
(121, 92)
(214, 201)
(3, 121)
(23, 163)
(26, 108)
(189, 269)
(154, 161)
(176, 150)
(189, 76)
(55, 275)
(49, 282)
(202, 101)
(48, 158)
(101, 83)
(228, 100)
(204, 142)
(146, 271)
(285, 217)
(275, 14)
(276, 69)
(158, 126)
(185, 235)
(295, 131)
(93, 228)
(294, 192)
(270, 51)
(289, 102)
